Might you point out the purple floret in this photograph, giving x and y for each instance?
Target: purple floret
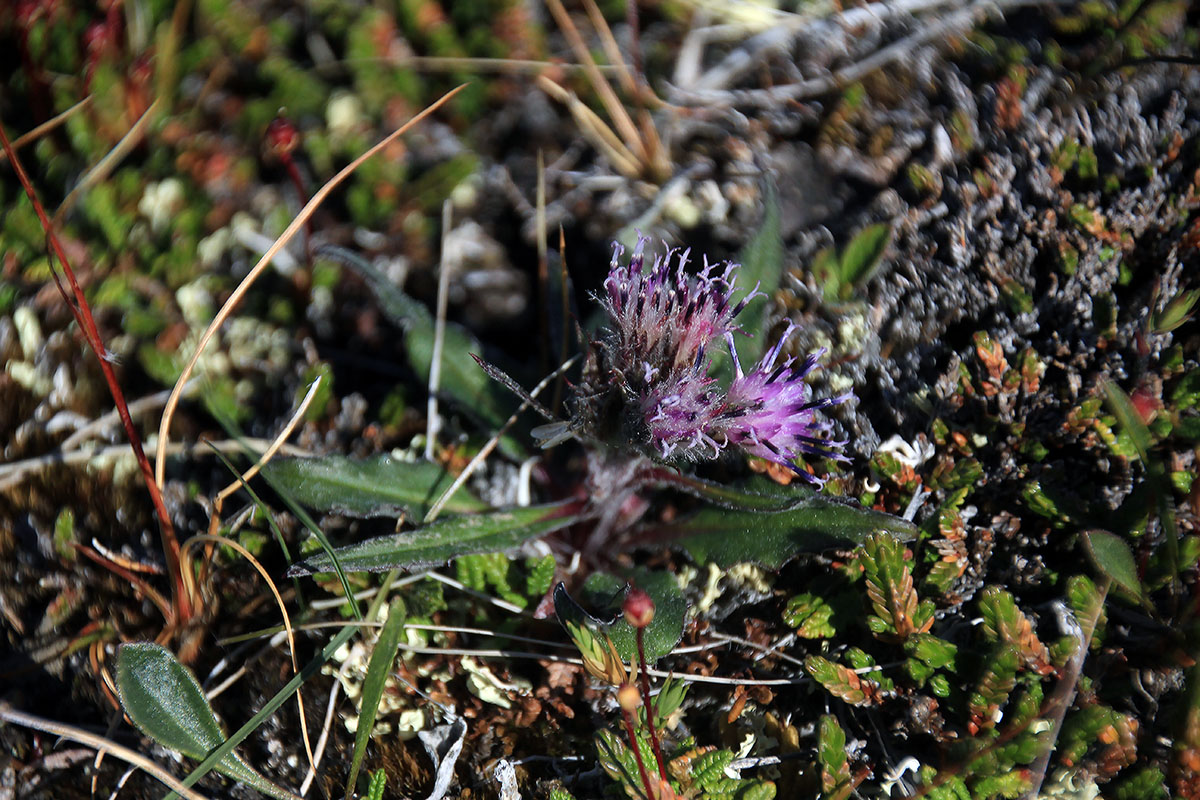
(663, 318)
(768, 412)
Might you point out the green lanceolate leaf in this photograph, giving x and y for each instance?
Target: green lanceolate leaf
(461, 378)
(1112, 556)
(863, 255)
(812, 522)
(381, 486)
(166, 703)
(762, 268)
(606, 593)
(1156, 475)
(378, 669)
(446, 539)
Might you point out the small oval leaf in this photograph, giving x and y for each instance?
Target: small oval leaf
(166, 703)
(864, 253)
(1113, 558)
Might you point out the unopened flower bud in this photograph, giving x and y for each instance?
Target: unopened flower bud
(638, 608)
(282, 136)
(628, 698)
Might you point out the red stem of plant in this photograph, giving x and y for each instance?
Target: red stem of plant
(298, 182)
(637, 754)
(82, 312)
(644, 681)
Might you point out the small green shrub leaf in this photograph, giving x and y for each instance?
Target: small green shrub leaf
(381, 486)
(841, 681)
(831, 754)
(1113, 558)
(863, 255)
(377, 785)
(166, 703)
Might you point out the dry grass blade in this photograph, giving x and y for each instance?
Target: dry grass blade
(608, 97)
(14, 717)
(106, 165)
(47, 126)
(14, 472)
(164, 428)
(270, 452)
(595, 129)
(609, 43)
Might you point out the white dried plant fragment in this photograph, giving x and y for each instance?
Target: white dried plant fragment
(912, 455)
(484, 684)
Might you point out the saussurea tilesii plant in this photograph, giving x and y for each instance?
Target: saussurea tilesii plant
(649, 381)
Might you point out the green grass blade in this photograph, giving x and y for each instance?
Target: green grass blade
(372, 690)
(316, 531)
(265, 510)
(285, 495)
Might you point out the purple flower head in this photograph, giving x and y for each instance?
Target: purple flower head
(663, 322)
(680, 416)
(663, 318)
(768, 412)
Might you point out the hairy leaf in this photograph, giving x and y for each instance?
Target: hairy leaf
(446, 539)
(812, 522)
(862, 256)
(166, 703)
(381, 486)
(1113, 558)
(762, 268)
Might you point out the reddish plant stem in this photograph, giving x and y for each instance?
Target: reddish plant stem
(637, 754)
(298, 182)
(181, 601)
(644, 681)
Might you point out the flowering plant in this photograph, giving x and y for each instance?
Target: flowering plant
(649, 380)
